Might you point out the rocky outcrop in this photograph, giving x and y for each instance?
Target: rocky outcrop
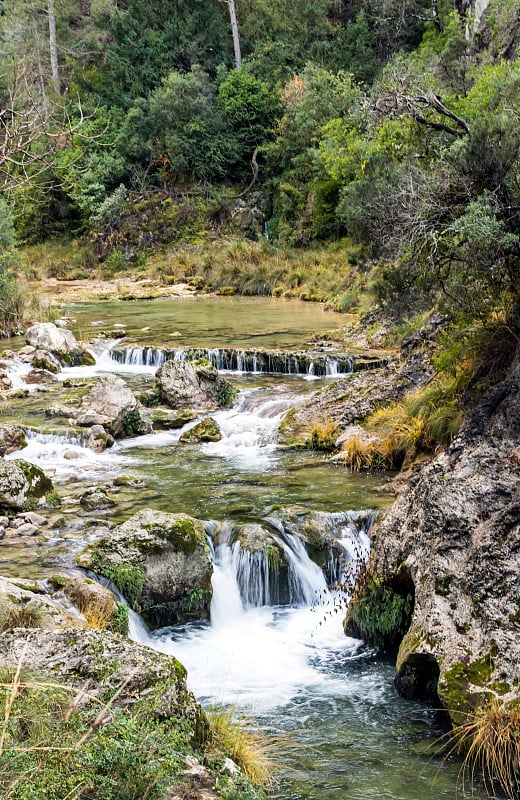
(22, 482)
(186, 384)
(112, 404)
(353, 398)
(454, 535)
(60, 342)
(103, 663)
(160, 562)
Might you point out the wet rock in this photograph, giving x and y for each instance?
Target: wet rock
(60, 342)
(43, 359)
(186, 384)
(5, 382)
(34, 518)
(165, 420)
(40, 376)
(111, 403)
(96, 500)
(12, 438)
(26, 529)
(91, 599)
(98, 439)
(21, 482)
(160, 562)
(207, 430)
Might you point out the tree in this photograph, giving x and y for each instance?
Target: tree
(234, 31)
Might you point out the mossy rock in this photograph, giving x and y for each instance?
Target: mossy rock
(465, 687)
(160, 562)
(96, 500)
(207, 430)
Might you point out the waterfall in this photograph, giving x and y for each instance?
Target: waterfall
(234, 360)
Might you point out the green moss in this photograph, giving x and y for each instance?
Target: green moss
(206, 430)
(377, 613)
(455, 687)
(227, 395)
(38, 482)
(184, 533)
(128, 578)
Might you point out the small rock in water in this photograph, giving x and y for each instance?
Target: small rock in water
(71, 455)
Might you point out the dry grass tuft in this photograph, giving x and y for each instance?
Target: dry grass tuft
(253, 751)
(99, 612)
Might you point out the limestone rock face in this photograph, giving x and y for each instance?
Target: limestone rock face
(58, 341)
(160, 562)
(21, 481)
(185, 384)
(112, 403)
(455, 531)
(12, 438)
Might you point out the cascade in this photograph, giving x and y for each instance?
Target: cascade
(236, 360)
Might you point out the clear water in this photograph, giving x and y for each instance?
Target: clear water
(209, 321)
(291, 669)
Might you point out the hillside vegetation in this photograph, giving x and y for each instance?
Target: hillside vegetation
(387, 128)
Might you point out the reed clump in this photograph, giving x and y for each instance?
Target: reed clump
(490, 744)
(20, 615)
(323, 435)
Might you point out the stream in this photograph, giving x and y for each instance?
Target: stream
(286, 665)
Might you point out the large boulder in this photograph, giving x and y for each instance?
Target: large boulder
(111, 403)
(111, 666)
(187, 384)
(21, 483)
(160, 562)
(61, 343)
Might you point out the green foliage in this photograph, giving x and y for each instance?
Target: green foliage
(53, 749)
(128, 578)
(377, 612)
(118, 622)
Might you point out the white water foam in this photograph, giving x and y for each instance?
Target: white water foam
(249, 428)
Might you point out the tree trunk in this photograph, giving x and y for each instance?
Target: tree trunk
(53, 45)
(234, 31)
